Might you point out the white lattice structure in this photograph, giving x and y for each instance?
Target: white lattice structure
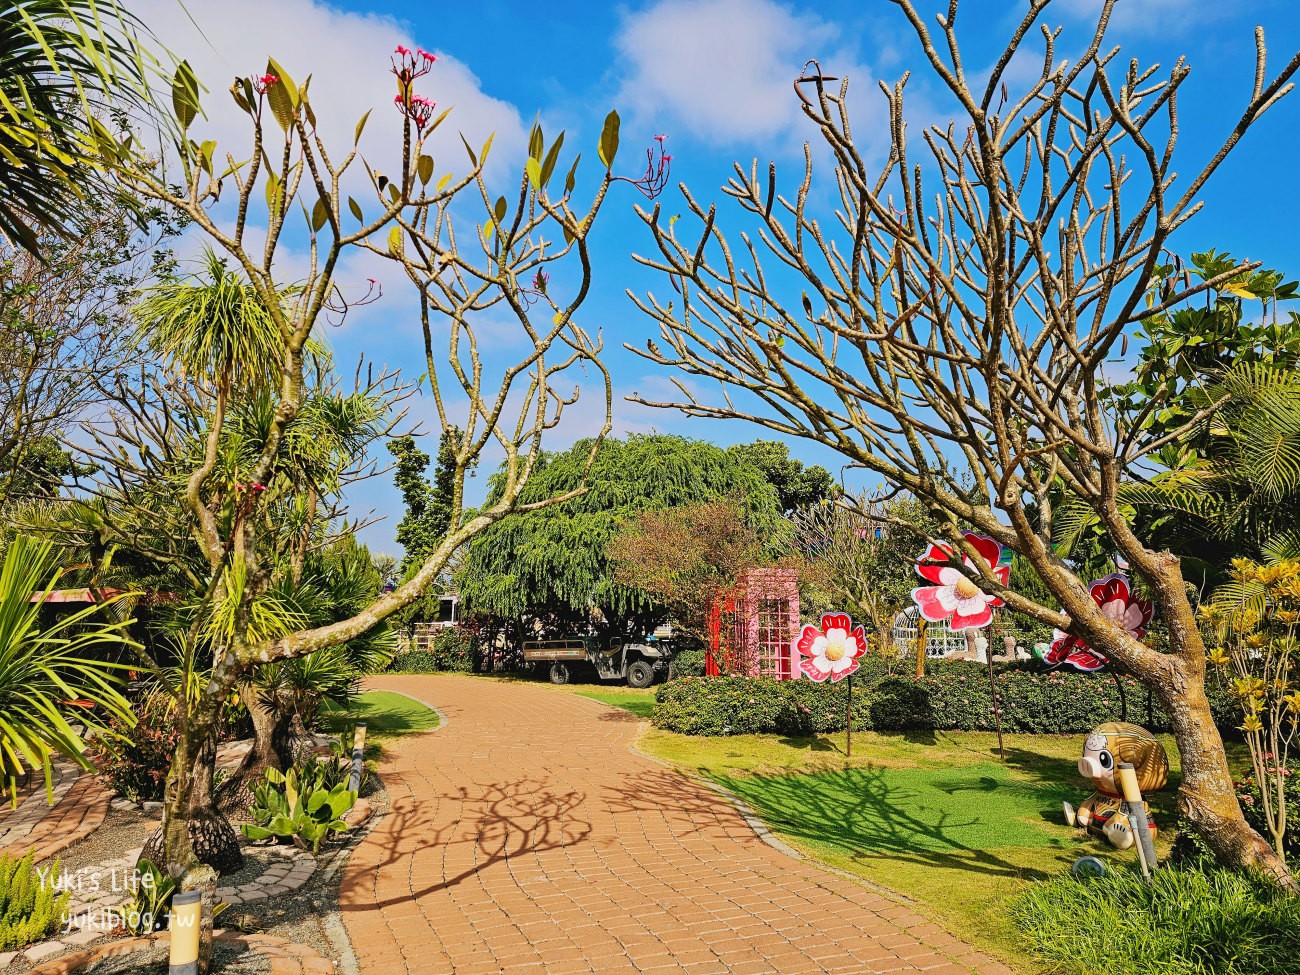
(939, 640)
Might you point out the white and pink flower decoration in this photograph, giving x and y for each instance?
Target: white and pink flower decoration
(1115, 597)
(831, 650)
(955, 598)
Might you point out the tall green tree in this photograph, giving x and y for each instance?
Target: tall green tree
(429, 504)
(796, 486)
(553, 567)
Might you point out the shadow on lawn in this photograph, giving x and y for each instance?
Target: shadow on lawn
(860, 813)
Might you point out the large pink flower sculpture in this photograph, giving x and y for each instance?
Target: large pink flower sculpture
(1118, 603)
(831, 650)
(956, 599)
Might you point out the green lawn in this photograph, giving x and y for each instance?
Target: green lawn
(639, 702)
(385, 713)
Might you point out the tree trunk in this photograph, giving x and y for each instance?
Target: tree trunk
(1206, 797)
(273, 747)
(193, 831)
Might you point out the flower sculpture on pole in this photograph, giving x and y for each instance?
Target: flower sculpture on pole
(955, 598)
(831, 650)
(1115, 597)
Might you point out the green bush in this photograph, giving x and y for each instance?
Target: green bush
(31, 908)
(688, 663)
(289, 808)
(135, 760)
(1185, 922)
(454, 649)
(953, 696)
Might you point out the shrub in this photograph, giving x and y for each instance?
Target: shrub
(287, 807)
(688, 663)
(30, 906)
(953, 696)
(1252, 804)
(453, 649)
(1185, 922)
(134, 761)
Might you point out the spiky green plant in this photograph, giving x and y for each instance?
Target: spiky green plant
(62, 63)
(50, 680)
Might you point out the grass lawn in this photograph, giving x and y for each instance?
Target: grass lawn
(640, 703)
(933, 815)
(385, 713)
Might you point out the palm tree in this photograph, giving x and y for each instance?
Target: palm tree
(49, 681)
(64, 64)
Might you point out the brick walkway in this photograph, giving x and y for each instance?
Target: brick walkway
(525, 838)
(81, 802)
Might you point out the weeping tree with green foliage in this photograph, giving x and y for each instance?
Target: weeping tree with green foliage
(553, 569)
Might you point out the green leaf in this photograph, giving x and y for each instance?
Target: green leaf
(361, 125)
(185, 95)
(487, 147)
(256, 832)
(282, 96)
(272, 193)
(571, 177)
(552, 156)
(424, 169)
(396, 242)
(442, 183)
(535, 143)
(320, 215)
(499, 209)
(355, 207)
(534, 170)
(609, 140)
(473, 159)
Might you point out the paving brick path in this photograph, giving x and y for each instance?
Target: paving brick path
(524, 838)
(81, 802)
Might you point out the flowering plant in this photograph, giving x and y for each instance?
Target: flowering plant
(1115, 597)
(831, 650)
(955, 598)
(1253, 634)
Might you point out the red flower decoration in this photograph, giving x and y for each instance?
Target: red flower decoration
(831, 650)
(956, 599)
(1118, 603)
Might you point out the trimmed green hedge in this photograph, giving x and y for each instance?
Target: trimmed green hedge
(952, 696)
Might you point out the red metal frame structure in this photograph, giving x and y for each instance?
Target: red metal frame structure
(753, 624)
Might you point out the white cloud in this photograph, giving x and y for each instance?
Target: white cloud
(1151, 16)
(347, 55)
(723, 69)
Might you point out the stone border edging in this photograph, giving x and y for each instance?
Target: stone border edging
(287, 957)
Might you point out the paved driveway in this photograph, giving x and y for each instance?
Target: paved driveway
(524, 838)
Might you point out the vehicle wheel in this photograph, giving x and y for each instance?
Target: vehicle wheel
(640, 674)
(560, 674)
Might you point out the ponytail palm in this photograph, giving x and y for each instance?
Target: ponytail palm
(49, 681)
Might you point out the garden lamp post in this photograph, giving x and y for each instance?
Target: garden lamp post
(186, 918)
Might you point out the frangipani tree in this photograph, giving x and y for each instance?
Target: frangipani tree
(948, 326)
(288, 178)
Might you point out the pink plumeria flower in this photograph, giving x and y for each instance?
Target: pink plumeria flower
(955, 598)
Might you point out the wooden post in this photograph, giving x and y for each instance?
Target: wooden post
(848, 722)
(920, 647)
(997, 711)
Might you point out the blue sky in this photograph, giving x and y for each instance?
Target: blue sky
(715, 75)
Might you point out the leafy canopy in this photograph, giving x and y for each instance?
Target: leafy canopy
(553, 564)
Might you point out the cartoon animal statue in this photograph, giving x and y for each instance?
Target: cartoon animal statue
(1105, 747)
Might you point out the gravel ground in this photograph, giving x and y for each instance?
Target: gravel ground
(308, 915)
(120, 832)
